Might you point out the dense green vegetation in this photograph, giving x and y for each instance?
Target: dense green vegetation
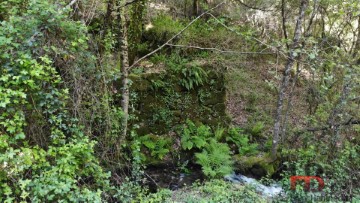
(104, 100)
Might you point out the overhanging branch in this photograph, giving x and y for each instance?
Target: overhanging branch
(217, 50)
(327, 127)
(253, 7)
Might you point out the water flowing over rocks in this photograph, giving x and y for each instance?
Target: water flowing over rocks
(268, 191)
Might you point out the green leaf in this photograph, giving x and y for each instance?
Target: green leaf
(312, 56)
(199, 142)
(19, 136)
(187, 145)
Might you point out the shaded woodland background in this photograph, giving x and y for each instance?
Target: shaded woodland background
(95, 93)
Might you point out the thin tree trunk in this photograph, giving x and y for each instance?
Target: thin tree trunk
(283, 15)
(298, 70)
(357, 43)
(195, 7)
(284, 84)
(338, 108)
(124, 57)
(185, 8)
(289, 104)
(107, 22)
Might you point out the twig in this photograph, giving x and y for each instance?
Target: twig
(176, 35)
(323, 128)
(151, 179)
(129, 3)
(259, 41)
(274, 48)
(253, 7)
(71, 3)
(216, 49)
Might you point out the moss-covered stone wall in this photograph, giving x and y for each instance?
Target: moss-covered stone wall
(160, 103)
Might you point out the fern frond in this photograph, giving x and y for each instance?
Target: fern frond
(199, 141)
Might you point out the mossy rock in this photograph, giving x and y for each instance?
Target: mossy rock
(214, 99)
(220, 107)
(139, 83)
(152, 76)
(258, 166)
(212, 122)
(213, 74)
(143, 129)
(149, 160)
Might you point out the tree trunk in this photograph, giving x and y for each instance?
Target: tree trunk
(298, 70)
(124, 57)
(357, 43)
(195, 8)
(107, 23)
(289, 103)
(285, 80)
(135, 28)
(283, 15)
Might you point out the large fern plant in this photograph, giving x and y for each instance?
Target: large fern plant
(193, 136)
(241, 140)
(215, 159)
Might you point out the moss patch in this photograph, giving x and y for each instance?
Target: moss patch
(258, 166)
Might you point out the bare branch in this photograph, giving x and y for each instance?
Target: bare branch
(275, 49)
(327, 127)
(253, 7)
(313, 14)
(269, 46)
(129, 3)
(71, 3)
(283, 15)
(217, 50)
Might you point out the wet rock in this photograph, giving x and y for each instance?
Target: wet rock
(259, 166)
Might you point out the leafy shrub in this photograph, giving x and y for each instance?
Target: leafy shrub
(31, 173)
(157, 84)
(131, 191)
(164, 27)
(44, 155)
(216, 191)
(208, 33)
(340, 174)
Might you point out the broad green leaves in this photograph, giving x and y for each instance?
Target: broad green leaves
(33, 111)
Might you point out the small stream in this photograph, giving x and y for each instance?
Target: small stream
(173, 179)
(269, 191)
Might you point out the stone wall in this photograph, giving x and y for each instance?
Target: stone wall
(160, 103)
